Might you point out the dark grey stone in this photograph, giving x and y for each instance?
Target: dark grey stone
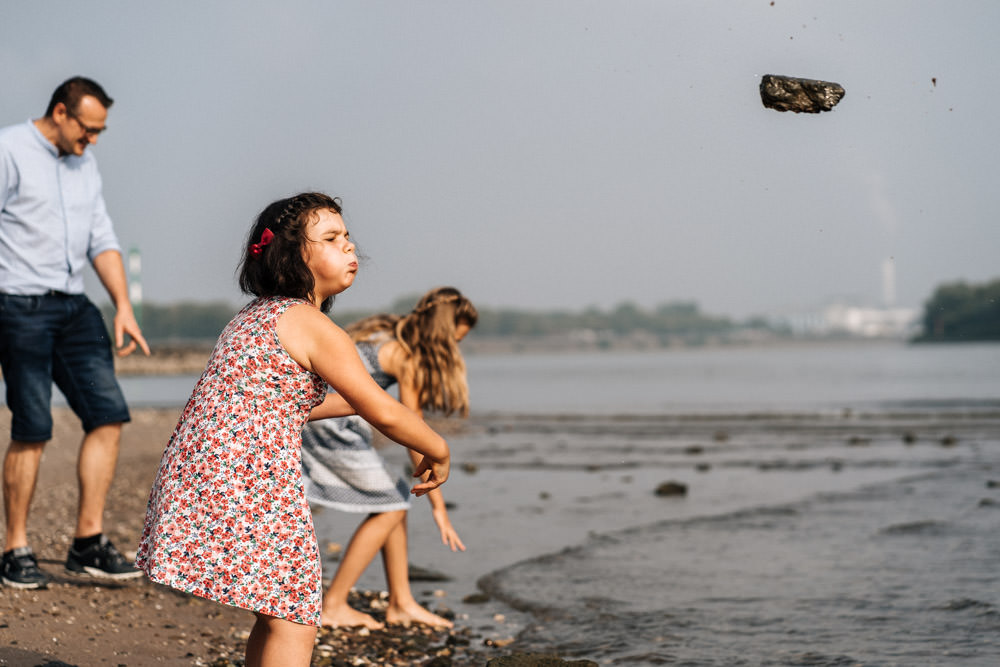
(672, 489)
(785, 93)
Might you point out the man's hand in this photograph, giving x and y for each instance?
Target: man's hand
(125, 324)
(111, 271)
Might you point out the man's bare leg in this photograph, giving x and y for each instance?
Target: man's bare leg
(95, 471)
(20, 474)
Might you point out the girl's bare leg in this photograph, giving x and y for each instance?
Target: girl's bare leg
(403, 607)
(275, 642)
(367, 540)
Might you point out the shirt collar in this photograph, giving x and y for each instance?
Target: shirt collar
(49, 146)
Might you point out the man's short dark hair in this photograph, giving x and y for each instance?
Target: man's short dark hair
(71, 91)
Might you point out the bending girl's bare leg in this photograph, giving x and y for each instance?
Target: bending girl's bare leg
(364, 544)
(275, 642)
(403, 607)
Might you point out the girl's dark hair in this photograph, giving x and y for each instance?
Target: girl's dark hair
(277, 268)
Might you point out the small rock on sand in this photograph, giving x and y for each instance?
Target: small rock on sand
(671, 489)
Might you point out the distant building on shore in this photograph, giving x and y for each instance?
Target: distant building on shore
(871, 322)
(842, 320)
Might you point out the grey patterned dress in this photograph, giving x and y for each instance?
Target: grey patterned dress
(340, 467)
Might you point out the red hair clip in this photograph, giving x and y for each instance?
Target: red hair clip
(266, 237)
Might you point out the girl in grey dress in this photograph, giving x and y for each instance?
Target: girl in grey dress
(343, 471)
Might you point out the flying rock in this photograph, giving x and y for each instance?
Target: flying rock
(785, 93)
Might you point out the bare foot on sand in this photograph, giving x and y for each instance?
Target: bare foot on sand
(415, 613)
(347, 617)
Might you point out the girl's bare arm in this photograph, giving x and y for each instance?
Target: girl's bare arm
(322, 347)
(334, 405)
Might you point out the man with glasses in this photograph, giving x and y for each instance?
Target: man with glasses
(53, 223)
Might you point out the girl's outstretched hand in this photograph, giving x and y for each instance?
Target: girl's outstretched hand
(434, 473)
(449, 536)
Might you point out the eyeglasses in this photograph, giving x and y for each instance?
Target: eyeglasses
(90, 131)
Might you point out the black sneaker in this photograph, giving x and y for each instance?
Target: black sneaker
(20, 569)
(100, 560)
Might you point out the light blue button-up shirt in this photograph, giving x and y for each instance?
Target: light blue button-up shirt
(53, 220)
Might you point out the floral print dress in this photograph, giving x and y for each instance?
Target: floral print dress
(227, 517)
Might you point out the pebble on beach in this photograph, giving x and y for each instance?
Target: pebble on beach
(672, 489)
(413, 645)
(537, 660)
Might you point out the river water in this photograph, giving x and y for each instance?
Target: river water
(853, 540)
(781, 378)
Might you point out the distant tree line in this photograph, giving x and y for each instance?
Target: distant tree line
(189, 321)
(955, 312)
(674, 320)
(962, 312)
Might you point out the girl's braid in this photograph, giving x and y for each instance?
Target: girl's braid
(436, 302)
(293, 209)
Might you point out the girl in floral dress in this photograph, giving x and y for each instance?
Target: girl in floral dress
(227, 518)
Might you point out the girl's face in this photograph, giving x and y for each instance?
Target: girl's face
(461, 329)
(329, 255)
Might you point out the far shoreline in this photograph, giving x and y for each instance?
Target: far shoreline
(190, 358)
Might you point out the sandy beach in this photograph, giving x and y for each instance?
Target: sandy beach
(83, 622)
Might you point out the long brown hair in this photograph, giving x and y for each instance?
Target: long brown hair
(427, 335)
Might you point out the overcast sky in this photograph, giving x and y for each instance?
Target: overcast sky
(542, 153)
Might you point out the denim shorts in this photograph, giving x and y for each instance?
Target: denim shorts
(58, 338)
